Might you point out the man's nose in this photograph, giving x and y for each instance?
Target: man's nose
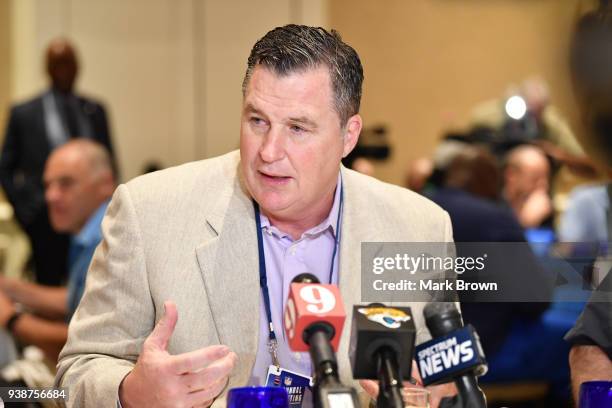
(51, 194)
(273, 147)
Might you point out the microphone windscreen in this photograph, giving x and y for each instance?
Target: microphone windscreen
(442, 318)
(438, 308)
(305, 278)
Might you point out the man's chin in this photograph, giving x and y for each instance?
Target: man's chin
(59, 226)
(274, 206)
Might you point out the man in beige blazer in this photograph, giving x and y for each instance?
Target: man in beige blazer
(184, 240)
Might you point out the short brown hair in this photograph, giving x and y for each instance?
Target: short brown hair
(293, 48)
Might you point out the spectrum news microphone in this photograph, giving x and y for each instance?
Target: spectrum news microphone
(314, 318)
(381, 348)
(454, 354)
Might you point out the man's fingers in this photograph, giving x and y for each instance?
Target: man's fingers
(437, 392)
(372, 388)
(160, 336)
(196, 360)
(369, 386)
(217, 370)
(206, 395)
(415, 373)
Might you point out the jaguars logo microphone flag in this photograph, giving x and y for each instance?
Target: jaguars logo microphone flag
(376, 328)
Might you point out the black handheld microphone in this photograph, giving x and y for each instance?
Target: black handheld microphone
(454, 354)
(382, 343)
(314, 319)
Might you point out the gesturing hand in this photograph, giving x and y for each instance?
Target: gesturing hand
(191, 379)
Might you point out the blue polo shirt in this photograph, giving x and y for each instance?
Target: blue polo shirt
(82, 247)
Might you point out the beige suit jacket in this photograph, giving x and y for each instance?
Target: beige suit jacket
(187, 234)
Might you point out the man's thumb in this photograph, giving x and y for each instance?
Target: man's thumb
(164, 328)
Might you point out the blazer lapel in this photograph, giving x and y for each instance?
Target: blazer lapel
(355, 229)
(228, 262)
(359, 224)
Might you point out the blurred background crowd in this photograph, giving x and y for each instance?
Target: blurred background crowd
(472, 103)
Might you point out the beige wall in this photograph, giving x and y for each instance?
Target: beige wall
(169, 71)
(428, 62)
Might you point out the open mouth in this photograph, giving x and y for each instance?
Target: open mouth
(274, 179)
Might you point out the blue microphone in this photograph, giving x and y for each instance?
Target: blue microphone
(454, 354)
(449, 356)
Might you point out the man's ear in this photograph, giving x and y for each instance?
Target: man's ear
(107, 184)
(351, 133)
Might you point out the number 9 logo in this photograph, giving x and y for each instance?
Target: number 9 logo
(320, 299)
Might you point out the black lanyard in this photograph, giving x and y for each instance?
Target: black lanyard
(263, 279)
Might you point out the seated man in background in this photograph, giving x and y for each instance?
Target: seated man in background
(526, 186)
(79, 182)
(528, 345)
(469, 194)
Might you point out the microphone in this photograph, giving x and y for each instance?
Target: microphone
(381, 347)
(454, 354)
(314, 318)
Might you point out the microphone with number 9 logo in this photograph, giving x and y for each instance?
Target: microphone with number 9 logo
(314, 318)
(312, 307)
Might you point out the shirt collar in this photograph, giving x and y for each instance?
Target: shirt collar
(90, 232)
(328, 223)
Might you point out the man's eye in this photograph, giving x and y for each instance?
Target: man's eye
(256, 121)
(297, 129)
(64, 184)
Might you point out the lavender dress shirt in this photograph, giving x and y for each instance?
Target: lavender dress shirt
(285, 259)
